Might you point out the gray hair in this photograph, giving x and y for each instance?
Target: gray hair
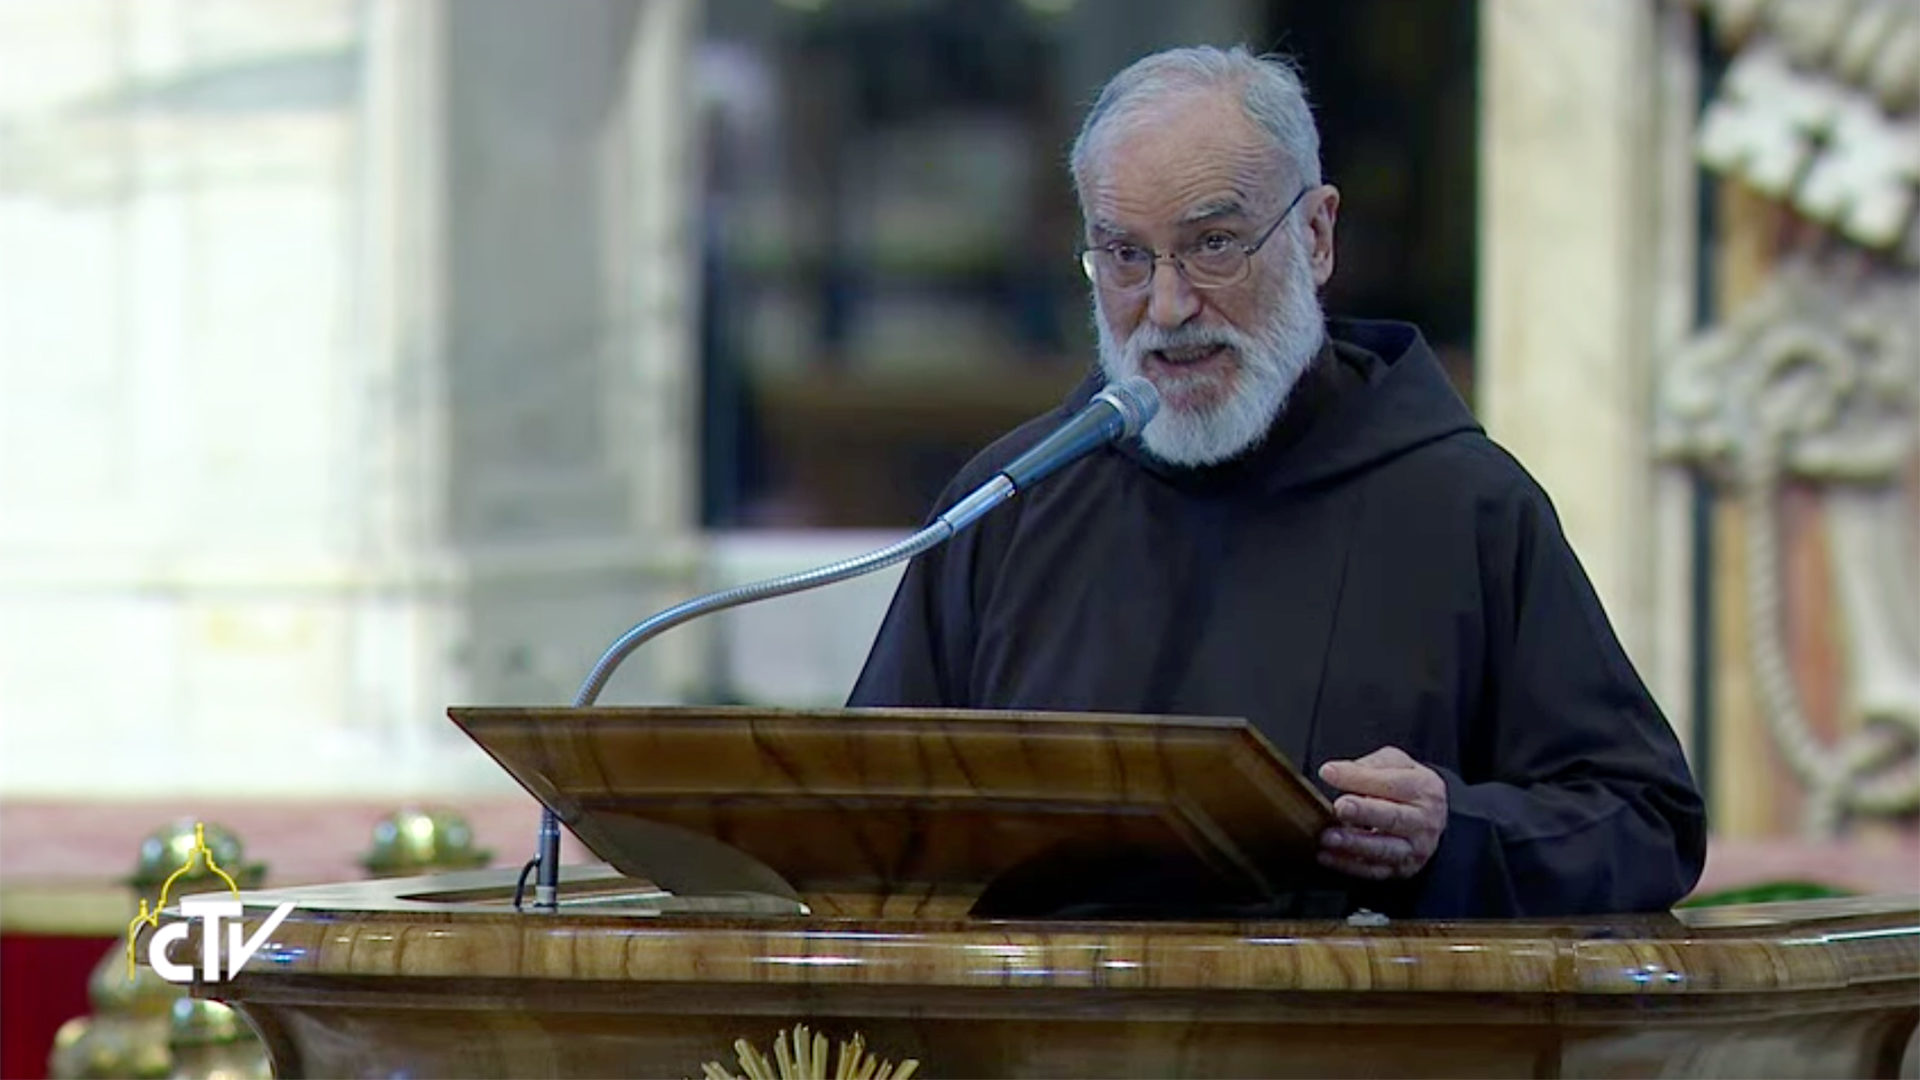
(1270, 91)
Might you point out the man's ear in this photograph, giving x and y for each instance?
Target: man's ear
(1326, 211)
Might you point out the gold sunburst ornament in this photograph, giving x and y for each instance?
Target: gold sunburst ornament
(805, 1058)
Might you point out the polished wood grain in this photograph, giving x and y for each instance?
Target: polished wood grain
(366, 929)
(371, 978)
(889, 800)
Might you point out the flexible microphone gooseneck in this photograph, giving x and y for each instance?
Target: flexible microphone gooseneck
(1116, 412)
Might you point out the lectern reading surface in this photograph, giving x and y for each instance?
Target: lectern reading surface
(891, 801)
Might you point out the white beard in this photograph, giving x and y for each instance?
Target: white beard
(1266, 366)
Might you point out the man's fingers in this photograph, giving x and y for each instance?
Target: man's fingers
(1391, 812)
(1365, 846)
(1395, 784)
(1387, 757)
(1356, 867)
(1366, 812)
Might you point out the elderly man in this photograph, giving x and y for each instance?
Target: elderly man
(1314, 534)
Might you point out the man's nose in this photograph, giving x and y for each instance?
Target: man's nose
(1171, 299)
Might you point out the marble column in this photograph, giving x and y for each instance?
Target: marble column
(1585, 277)
(568, 323)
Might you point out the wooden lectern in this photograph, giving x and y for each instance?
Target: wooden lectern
(775, 868)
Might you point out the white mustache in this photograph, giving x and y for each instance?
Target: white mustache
(1150, 338)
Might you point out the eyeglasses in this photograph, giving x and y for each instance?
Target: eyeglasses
(1215, 261)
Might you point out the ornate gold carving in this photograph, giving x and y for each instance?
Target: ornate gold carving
(807, 1060)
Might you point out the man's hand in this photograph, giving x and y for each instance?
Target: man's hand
(1390, 819)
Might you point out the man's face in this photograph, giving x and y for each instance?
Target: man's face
(1224, 359)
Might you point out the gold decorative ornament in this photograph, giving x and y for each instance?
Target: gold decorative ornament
(420, 840)
(211, 1041)
(166, 851)
(126, 1034)
(143, 1026)
(805, 1058)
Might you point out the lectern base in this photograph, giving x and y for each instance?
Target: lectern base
(1052, 1034)
(367, 979)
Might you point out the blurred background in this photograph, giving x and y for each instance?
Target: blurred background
(359, 358)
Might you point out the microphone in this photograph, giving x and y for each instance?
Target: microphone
(1116, 412)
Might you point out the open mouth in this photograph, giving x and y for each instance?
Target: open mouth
(1192, 377)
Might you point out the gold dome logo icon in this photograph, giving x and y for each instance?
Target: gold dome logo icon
(210, 912)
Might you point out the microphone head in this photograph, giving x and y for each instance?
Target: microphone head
(1135, 399)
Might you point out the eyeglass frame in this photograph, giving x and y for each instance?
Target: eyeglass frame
(1088, 266)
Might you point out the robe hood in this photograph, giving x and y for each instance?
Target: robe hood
(1375, 392)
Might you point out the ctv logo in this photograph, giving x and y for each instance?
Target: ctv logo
(210, 911)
